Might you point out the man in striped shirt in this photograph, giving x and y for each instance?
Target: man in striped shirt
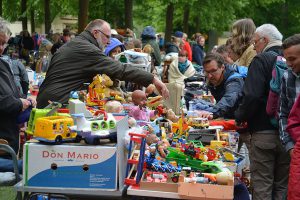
(290, 87)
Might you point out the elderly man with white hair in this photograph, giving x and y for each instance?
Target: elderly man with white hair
(269, 160)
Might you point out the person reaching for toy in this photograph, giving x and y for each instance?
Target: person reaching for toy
(81, 59)
(224, 84)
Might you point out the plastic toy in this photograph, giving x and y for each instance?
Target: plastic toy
(156, 177)
(187, 161)
(99, 90)
(199, 123)
(181, 126)
(94, 130)
(159, 166)
(50, 110)
(54, 129)
(153, 102)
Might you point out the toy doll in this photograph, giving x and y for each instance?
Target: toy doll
(139, 110)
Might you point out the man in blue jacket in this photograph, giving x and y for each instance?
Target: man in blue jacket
(224, 84)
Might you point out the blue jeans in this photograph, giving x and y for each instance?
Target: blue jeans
(6, 165)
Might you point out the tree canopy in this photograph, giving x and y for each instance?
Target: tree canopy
(189, 16)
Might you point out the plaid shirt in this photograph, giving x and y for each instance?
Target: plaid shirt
(290, 89)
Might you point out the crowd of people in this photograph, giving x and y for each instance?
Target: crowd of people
(244, 98)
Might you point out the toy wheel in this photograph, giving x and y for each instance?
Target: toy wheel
(175, 179)
(113, 139)
(58, 140)
(78, 138)
(96, 141)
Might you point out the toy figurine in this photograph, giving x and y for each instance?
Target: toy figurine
(113, 107)
(139, 110)
(190, 150)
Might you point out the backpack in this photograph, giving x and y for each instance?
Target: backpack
(239, 71)
(279, 68)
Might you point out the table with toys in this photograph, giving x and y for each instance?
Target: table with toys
(107, 142)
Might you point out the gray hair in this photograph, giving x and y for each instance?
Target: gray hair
(4, 27)
(95, 24)
(269, 31)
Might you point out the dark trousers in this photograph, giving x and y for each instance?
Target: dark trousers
(269, 166)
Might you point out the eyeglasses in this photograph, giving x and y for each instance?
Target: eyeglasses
(214, 72)
(257, 41)
(107, 36)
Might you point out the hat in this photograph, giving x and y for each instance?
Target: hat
(114, 42)
(148, 32)
(178, 34)
(114, 32)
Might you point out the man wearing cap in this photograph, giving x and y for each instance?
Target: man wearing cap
(186, 45)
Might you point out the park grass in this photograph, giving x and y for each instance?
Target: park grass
(7, 193)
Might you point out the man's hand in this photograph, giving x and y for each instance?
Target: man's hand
(26, 103)
(161, 87)
(205, 114)
(32, 100)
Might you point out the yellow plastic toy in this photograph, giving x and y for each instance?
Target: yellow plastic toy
(54, 129)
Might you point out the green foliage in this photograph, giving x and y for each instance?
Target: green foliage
(109, 10)
(204, 15)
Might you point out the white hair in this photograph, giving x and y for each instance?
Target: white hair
(4, 27)
(270, 31)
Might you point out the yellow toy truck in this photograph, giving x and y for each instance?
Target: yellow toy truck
(54, 129)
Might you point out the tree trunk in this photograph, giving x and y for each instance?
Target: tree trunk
(186, 15)
(128, 14)
(169, 22)
(32, 22)
(285, 16)
(24, 14)
(83, 15)
(1, 7)
(197, 24)
(47, 17)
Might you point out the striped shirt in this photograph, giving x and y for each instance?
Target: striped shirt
(290, 90)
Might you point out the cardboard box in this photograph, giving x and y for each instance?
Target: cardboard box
(70, 166)
(205, 191)
(158, 186)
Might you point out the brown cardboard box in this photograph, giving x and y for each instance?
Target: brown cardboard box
(205, 191)
(157, 186)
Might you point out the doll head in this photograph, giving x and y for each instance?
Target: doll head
(139, 98)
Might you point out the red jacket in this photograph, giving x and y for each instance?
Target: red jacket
(293, 126)
(187, 47)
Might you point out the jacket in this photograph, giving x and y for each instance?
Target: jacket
(114, 42)
(246, 57)
(174, 75)
(187, 47)
(198, 54)
(20, 74)
(293, 125)
(156, 52)
(76, 63)
(171, 48)
(227, 94)
(256, 90)
(288, 96)
(10, 106)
